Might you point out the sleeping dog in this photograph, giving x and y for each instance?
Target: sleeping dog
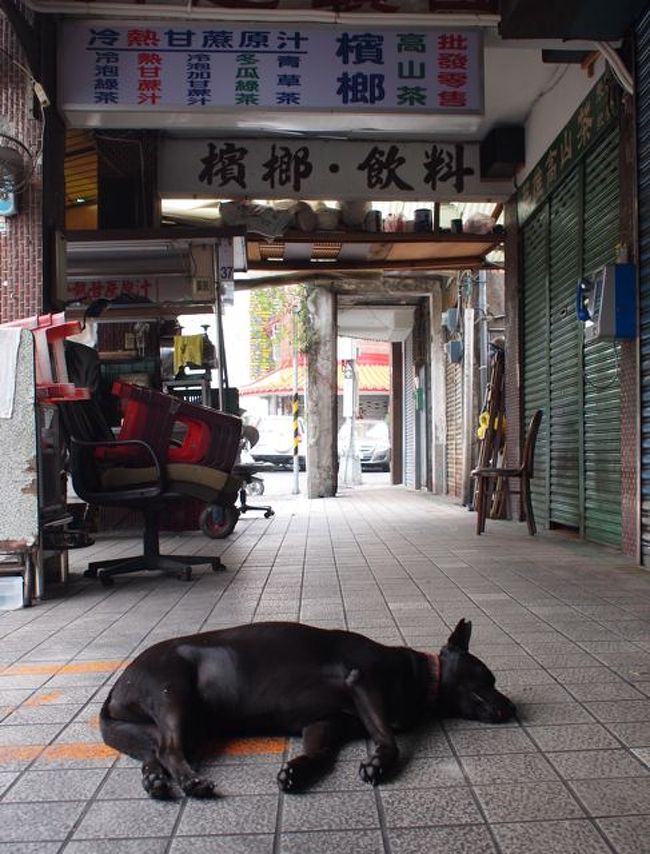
(286, 679)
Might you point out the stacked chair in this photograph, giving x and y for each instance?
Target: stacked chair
(143, 468)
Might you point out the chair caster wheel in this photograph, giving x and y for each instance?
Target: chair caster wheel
(90, 573)
(217, 566)
(185, 574)
(269, 513)
(106, 580)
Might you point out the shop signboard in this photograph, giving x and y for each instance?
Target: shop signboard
(146, 289)
(203, 67)
(324, 169)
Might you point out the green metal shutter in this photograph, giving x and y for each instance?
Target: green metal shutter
(602, 391)
(643, 159)
(535, 350)
(565, 338)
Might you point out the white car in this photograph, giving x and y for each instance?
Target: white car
(371, 442)
(275, 444)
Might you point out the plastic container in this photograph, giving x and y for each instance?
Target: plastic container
(11, 592)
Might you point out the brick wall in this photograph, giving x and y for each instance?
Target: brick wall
(21, 258)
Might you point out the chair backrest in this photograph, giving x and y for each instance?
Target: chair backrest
(528, 453)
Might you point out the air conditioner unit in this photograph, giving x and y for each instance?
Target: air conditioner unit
(454, 351)
(449, 319)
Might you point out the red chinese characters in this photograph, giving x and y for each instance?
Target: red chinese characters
(451, 71)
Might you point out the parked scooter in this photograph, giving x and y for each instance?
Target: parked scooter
(218, 522)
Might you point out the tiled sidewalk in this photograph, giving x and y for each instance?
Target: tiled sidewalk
(566, 628)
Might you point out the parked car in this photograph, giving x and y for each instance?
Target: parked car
(371, 442)
(275, 444)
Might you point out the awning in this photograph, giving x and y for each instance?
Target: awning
(373, 379)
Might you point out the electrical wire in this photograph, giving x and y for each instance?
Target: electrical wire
(617, 65)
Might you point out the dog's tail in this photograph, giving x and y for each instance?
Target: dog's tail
(136, 739)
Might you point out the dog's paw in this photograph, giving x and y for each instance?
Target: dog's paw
(198, 787)
(371, 771)
(295, 774)
(285, 778)
(158, 786)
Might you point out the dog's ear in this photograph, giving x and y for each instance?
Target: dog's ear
(460, 636)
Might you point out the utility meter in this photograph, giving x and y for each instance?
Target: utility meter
(606, 303)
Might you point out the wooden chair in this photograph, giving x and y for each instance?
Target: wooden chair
(524, 473)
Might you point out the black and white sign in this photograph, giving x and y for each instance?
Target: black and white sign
(302, 169)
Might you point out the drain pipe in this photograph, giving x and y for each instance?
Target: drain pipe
(469, 320)
(483, 339)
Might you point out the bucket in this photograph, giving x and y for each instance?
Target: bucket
(11, 592)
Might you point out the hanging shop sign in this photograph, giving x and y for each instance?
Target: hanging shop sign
(168, 289)
(596, 114)
(303, 169)
(203, 66)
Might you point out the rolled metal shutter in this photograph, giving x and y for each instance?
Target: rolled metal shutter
(409, 414)
(642, 89)
(536, 350)
(602, 388)
(565, 339)
(454, 420)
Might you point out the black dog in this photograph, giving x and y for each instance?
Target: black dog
(287, 678)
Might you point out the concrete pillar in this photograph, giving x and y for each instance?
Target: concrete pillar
(321, 393)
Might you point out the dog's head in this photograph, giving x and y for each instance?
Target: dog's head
(467, 685)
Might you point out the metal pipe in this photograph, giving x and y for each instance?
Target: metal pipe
(484, 355)
(296, 432)
(468, 404)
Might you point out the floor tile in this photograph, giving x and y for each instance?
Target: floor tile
(330, 842)
(37, 821)
(226, 844)
(509, 768)
(232, 815)
(572, 737)
(128, 819)
(502, 740)
(329, 811)
(116, 846)
(614, 797)
(528, 802)
(463, 839)
(544, 837)
(597, 764)
(426, 773)
(627, 835)
(61, 785)
(430, 807)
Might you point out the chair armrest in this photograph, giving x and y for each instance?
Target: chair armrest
(86, 471)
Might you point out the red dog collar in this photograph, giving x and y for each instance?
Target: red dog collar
(435, 666)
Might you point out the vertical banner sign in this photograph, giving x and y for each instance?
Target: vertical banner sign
(204, 66)
(225, 270)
